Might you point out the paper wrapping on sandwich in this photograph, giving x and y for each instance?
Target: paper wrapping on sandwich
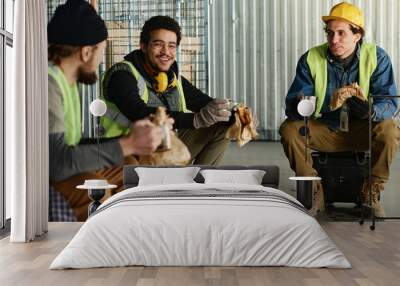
(244, 128)
(172, 151)
(340, 95)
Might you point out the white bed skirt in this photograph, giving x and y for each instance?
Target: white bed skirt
(205, 231)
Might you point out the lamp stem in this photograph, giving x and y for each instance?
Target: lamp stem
(306, 137)
(98, 139)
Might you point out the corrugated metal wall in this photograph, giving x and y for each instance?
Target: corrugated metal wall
(254, 46)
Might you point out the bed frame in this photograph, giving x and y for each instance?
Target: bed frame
(270, 179)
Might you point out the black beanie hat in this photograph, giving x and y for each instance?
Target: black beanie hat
(76, 23)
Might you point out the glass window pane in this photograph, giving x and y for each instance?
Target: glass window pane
(8, 73)
(9, 14)
(1, 15)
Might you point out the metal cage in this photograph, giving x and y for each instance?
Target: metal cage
(124, 20)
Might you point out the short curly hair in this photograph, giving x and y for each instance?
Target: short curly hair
(160, 22)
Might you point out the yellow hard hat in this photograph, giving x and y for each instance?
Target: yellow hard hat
(346, 12)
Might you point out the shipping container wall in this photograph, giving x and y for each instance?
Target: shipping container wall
(254, 46)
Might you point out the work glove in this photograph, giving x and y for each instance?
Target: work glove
(215, 111)
(358, 107)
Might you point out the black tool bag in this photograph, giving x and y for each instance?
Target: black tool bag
(342, 174)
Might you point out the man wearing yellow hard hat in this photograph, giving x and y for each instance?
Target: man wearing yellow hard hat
(341, 74)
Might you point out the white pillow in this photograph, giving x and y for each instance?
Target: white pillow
(248, 177)
(163, 176)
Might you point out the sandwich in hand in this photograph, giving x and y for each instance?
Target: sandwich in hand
(340, 95)
(244, 128)
(172, 150)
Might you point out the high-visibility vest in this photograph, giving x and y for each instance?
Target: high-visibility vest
(318, 64)
(72, 106)
(114, 122)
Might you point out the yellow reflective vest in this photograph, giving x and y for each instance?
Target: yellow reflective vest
(114, 122)
(71, 105)
(318, 64)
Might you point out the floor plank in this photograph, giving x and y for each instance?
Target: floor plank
(375, 257)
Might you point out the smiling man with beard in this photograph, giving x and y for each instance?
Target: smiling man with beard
(77, 38)
(149, 78)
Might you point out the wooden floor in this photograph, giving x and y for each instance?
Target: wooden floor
(374, 255)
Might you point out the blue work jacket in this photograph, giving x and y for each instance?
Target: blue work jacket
(382, 83)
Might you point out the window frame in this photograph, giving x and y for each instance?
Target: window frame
(6, 39)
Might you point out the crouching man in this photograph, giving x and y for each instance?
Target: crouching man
(345, 59)
(77, 37)
(148, 78)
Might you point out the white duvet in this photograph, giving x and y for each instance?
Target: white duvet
(185, 230)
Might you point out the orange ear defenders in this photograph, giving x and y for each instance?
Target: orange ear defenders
(162, 83)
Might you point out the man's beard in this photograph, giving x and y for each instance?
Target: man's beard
(86, 77)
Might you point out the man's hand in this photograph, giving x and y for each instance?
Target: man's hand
(143, 139)
(215, 111)
(358, 107)
(169, 123)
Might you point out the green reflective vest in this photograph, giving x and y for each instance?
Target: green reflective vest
(318, 64)
(71, 104)
(114, 122)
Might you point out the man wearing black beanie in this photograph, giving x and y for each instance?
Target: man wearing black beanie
(77, 38)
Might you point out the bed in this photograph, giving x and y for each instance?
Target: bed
(201, 223)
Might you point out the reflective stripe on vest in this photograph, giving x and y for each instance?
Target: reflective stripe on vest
(144, 92)
(318, 64)
(118, 117)
(116, 123)
(71, 105)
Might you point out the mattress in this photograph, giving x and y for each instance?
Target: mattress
(201, 225)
